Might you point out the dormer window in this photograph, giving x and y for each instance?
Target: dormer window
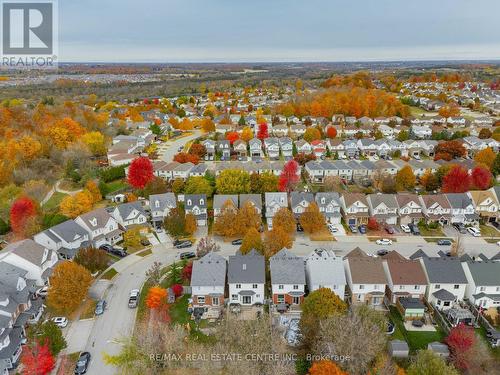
(202, 202)
(189, 203)
(93, 222)
(323, 200)
(157, 204)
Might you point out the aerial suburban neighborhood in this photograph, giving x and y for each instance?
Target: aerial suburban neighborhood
(220, 217)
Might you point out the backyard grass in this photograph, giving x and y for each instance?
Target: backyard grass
(179, 315)
(109, 274)
(69, 185)
(416, 340)
(54, 201)
(88, 309)
(489, 231)
(116, 186)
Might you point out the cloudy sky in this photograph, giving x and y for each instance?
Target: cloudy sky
(277, 30)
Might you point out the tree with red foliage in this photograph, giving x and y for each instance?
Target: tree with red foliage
(22, 211)
(140, 172)
(289, 176)
(232, 137)
(481, 177)
(37, 359)
(331, 132)
(461, 340)
(187, 271)
(177, 289)
(449, 150)
(263, 131)
(373, 224)
(184, 157)
(457, 180)
(302, 158)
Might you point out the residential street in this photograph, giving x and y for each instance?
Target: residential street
(102, 334)
(169, 149)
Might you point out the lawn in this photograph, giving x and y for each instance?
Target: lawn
(417, 112)
(415, 340)
(429, 232)
(145, 253)
(116, 186)
(179, 315)
(494, 351)
(54, 201)
(109, 274)
(489, 231)
(88, 309)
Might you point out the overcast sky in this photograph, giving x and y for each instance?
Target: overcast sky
(277, 30)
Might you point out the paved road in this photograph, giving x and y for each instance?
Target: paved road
(168, 153)
(118, 320)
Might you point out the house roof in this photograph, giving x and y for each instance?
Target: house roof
(411, 303)
(195, 200)
(444, 295)
(287, 268)
(485, 273)
(325, 268)
(430, 199)
(444, 270)
(249, 268)
(404, 198)
(126, 209)
(221, 199)
(388, 199)
(366, 270)
(67, 230)
(459, 200)
(163, 200)
(356, 253)
(210, 270)
(256, 199)
(27, 249)
(351, 198)
(296, 197)
(479, 196)
(406, 272)
(100, 215)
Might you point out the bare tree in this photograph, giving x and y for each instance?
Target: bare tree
(457, 248)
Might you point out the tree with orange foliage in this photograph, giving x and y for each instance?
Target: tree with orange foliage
(156, 297)
(486, 157)
(449, 150)
(140, 172)
(22, 211)
(184, 157)
(331, 132)
(232, 137)
(326, 367)
(449, 110)
(246, 134)
(94, 191)
(78, 204)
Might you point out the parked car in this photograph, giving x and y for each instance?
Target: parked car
(106, 247)
(133, 298)
(382, 252)
(118, 251)
(405, 228)
(60, 321)
(353, 228)
(42, 292)
(417, 323)
(384, 241)
(414, 229)
(474, 231)
(184, 244)
(444, 242)
(498, 243)
(100, 307)
(187, 255)
(299, 228)
(145, 242)
(332, 228)
(460, 228)
(83, 363)
(362, 229)
(389, 229)
(239, 241)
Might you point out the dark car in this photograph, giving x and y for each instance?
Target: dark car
(417, 323)
(119, 252)
(414, 229)
(362, 229)
(299, 228)
(382, 252)
(460, 228)
(237, 242)
(389, 229)
(106, 247)
(496, 224)
(145, 242)
(184, 244)
(83, 363)
(187, 255)
(100, 307)
(444, 242)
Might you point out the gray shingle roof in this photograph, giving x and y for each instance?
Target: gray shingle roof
(249, 268)
(68, 231)
(325, 269)
(459, 200)
(485, 273)
(444, 270)
(221, 199)
(29, 250)
(164, 200)
(209, 270)
(126, 208)
(195, 200)
(287, 268)
(100, 215)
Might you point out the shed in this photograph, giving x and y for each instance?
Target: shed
(411, 308)
(398, 349)
(439, 348)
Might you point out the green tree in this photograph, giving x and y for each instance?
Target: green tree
(269, 182)
(198, 185)
(403, 136)
(428, 363)
(177, 186)
(495, 169)
(233, 181)
(49, 332)
(175, 222)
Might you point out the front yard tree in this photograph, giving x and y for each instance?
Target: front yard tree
(429, 181)
(312, 134)
(457, 180)
(289, 177)
(486, 157)
(37, 359)
(428, 363)
(50, 333)
(92, 259)
(226, 223)
(156, 297)
(312, 220)
(232, 181)
(198, 185)
(263, 132)
(405, 179)
(373, 224)
(275, 240)
(284, 218)
(23, 211)
(178, 186)
(190, 224)
(251, 240)
(69, 284)
(247, 217)
(132, 238)
(246, 134)
(154, 273)
(140, 172)
(205, 246)
(175, 221)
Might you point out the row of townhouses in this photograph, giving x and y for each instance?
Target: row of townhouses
(357, 278)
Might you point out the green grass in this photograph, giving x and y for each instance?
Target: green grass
(109, 274)
(145, 253)
(179, 315)
(416, 340)
(116, 186)
(417, 111)
(54, 201)
(491, 240)
(428, 232)
(488, 231)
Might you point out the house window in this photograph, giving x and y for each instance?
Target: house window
(456, 286)
(189, 203)
(201, 300)
(295, 287)
(401, 287)
(446, 303)
(257, 296)
(254, 286)
(359, 297)
(234, 296)
(280, 298)
(438, 286)
(215, 301)
(375, 287)
(482, 288)
(238, 286)
(280, 286)
(498, 289)
(361, 287)
(202, 202)
(416, 287)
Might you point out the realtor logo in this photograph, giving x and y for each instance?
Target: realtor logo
(29, 33)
